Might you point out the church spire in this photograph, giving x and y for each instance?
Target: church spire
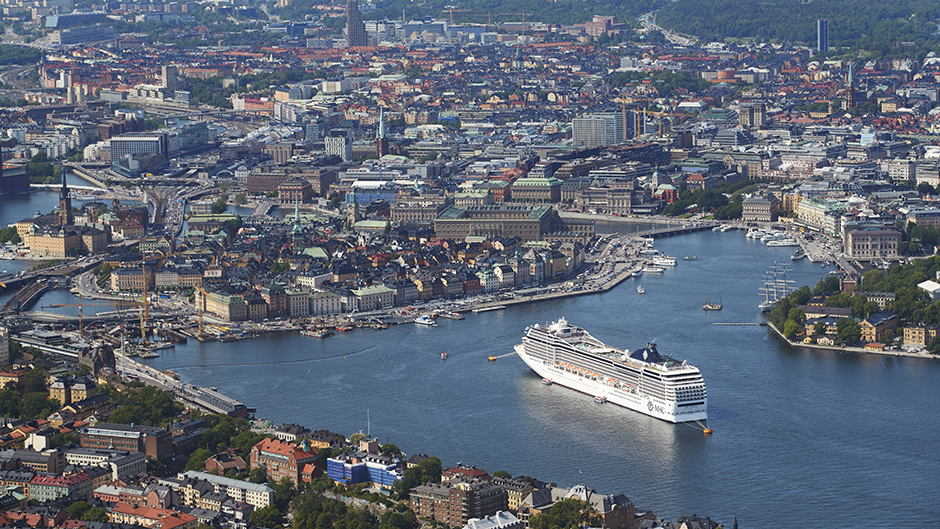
(65, 204)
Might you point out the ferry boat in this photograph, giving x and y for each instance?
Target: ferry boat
(664, 260)
(426, 320)
(797, 255)
(653, 269)
(643, 380)
(690, 258)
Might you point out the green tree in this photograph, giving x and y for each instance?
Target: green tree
(95, 514)
(819, 328)
(77, 509)
(280, 266)
(567, 514)
(257, 475)
(240, 199)
(502, 474)
(797, 315)
(790, 329)
(268, 517)
(848, 331)
(197, 461)
(220, 204)
(391, 450)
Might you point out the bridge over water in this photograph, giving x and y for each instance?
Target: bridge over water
(669, 231)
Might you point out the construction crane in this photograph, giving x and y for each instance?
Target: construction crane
(623, 106)
(145, 304)
(81, 305)
(452, 11)
(523, 19)
(489, 18)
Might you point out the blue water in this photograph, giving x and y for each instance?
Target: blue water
(817, 436)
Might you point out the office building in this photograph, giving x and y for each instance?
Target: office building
(355, 28)
(339, 143)
(822, 35)
(599, 129)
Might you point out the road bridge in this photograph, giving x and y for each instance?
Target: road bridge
(25, 297)
(263, 208)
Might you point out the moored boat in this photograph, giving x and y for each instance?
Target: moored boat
(426, 320)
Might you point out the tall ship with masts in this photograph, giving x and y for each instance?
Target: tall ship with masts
(776, 286)
(643, 380)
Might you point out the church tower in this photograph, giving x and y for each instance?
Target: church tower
(65, 204)
(353, 215)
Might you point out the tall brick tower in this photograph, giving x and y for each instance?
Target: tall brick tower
(65, 204)
(356, 35)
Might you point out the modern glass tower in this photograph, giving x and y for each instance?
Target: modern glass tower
(822, 35)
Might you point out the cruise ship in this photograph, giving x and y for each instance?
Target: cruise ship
(642, 380)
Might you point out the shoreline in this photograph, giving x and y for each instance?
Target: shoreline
(886, 352)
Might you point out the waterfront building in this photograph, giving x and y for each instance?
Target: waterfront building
(872, 243)
(920, 333)
(876, 326)
(374, 297)
(760, 208)
(351, 468)
(615, 510)
(456, 503)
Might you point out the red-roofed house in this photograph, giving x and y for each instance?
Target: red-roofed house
(281, 459)
(150, 516)
(464, 471)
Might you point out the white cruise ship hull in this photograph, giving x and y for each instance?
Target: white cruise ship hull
(654, 407)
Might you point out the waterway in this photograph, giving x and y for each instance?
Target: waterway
(819, 437)
(807, 437)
